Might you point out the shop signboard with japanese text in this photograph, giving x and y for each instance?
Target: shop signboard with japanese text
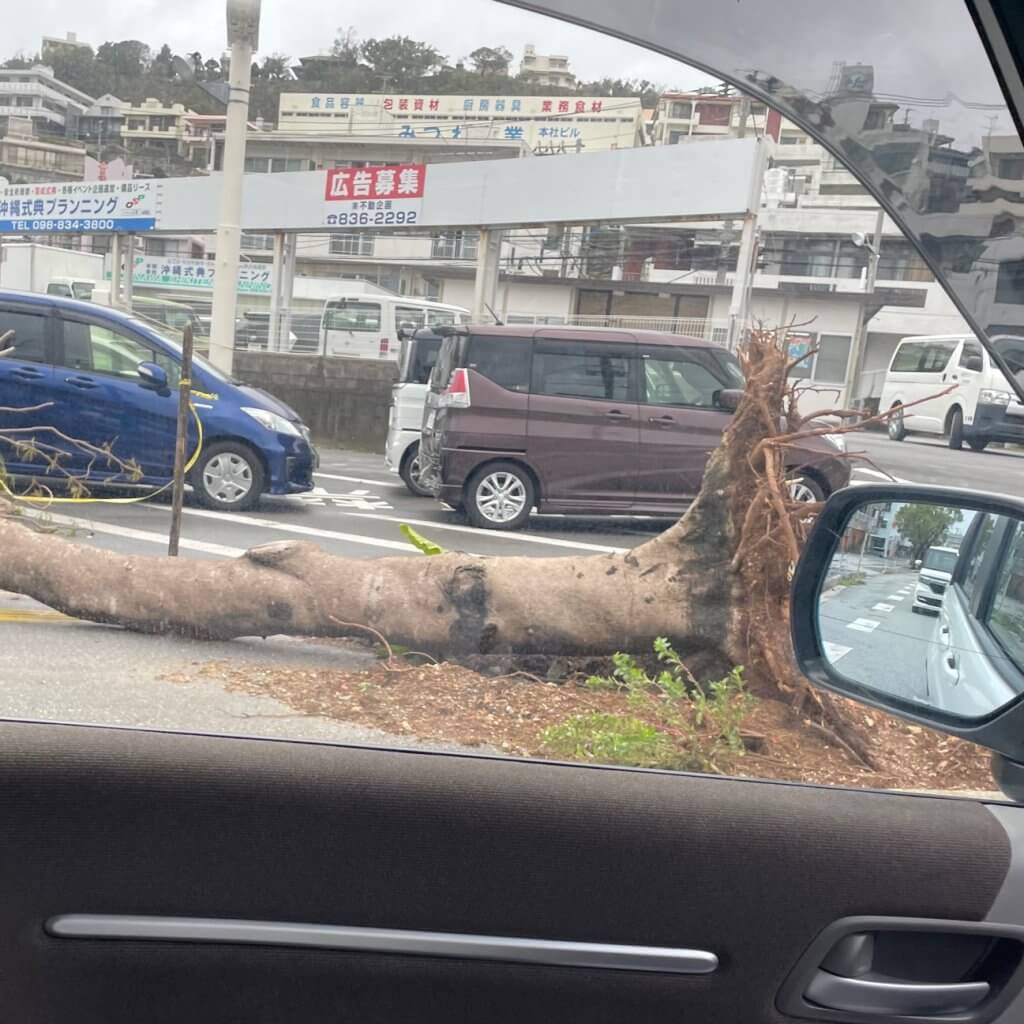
(167, 272)
(80, 207)
(367, 197)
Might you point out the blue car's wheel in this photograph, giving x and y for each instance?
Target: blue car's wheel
(228, 477)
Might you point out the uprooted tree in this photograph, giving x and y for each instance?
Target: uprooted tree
(716, 583)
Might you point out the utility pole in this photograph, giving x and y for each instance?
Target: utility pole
(180, 440)
(739, 304)
(860, 334)
(243, 18)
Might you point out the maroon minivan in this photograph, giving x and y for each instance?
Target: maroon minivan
(585, 421)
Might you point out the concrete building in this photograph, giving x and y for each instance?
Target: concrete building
(679, 116)
(52, 106)
(53, 45)
(549, 125)
(25, 158)
(552, 70)
(100, 123)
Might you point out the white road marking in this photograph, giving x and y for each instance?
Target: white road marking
(895, 597)
(880, 607)
(393, 482)
(879, 475)
(863, 625)
(835, 651)
(305, 531)
(149, 536)
(531, 538)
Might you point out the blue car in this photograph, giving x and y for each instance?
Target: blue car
(84, 375)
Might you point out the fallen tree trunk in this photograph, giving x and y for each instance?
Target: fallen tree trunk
(716, 581)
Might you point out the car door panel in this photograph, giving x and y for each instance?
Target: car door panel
(583, 433)
(104, 401)
(118, 822)
(679, 425)
(26, 383)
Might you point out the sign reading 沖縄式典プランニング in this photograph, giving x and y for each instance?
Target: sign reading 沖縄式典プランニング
(374, 196)
(80, 207)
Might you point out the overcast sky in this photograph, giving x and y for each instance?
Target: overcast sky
(300, 27)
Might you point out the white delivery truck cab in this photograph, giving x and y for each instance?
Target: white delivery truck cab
(371, 326)
(979, 405)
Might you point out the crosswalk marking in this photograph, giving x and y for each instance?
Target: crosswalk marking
(835, 651)
(882, 607)
(895, 597)
(863, 625)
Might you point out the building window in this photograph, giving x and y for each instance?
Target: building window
(353, 244)
(256, 165)
(681, 111)
(826, 365)
(253, 241)
(456, 245)
(156, 246)
(676, 137)
(1010, 282)
(1011, 167)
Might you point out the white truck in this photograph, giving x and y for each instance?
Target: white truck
(30, 267)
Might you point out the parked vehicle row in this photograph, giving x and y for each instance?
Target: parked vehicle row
(498, 421)
(88, 373)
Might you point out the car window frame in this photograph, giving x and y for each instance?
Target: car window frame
(49, 336)
(349, 303)
(160, 356)
(559, 346)
(672, 353)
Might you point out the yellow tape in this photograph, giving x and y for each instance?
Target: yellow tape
(51, 500)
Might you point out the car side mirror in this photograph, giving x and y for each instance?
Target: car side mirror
(944, 648)
(406, 330)
(974, 363)
(153, 376)
(729, 399)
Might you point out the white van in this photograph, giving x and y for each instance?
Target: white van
(416, 360)
(372, 326)
(980, 407)
(936, 571)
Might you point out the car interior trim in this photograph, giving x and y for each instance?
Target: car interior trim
(605, 956)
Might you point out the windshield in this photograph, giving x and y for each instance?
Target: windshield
(562, 344)
(941, 561)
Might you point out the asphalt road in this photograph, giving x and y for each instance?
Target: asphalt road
(873, 637)
(82, 672)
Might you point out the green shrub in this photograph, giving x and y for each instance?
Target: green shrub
(677, 722)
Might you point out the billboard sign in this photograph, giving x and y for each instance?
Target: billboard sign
(374, 196)
(80, 207)
(154, 272)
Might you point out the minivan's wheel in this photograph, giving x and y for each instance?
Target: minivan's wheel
(897, 431)
(956, 430)
(229, 477)
(805, 488)
(409, 471)
(978, 444)
(499, 497)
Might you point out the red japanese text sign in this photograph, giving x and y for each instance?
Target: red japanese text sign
(403, 181)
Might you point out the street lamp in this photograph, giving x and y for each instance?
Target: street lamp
(243, 22)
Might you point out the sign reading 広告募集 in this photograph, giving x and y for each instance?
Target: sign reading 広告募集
(375, 196)
(80, 206)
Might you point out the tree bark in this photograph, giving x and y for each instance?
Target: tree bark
(716, 581)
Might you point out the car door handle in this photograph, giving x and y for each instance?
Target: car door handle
(951, 660)
(26, 373)
(893, 998)
(85, 383)
(661, 419)
(617, 414)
